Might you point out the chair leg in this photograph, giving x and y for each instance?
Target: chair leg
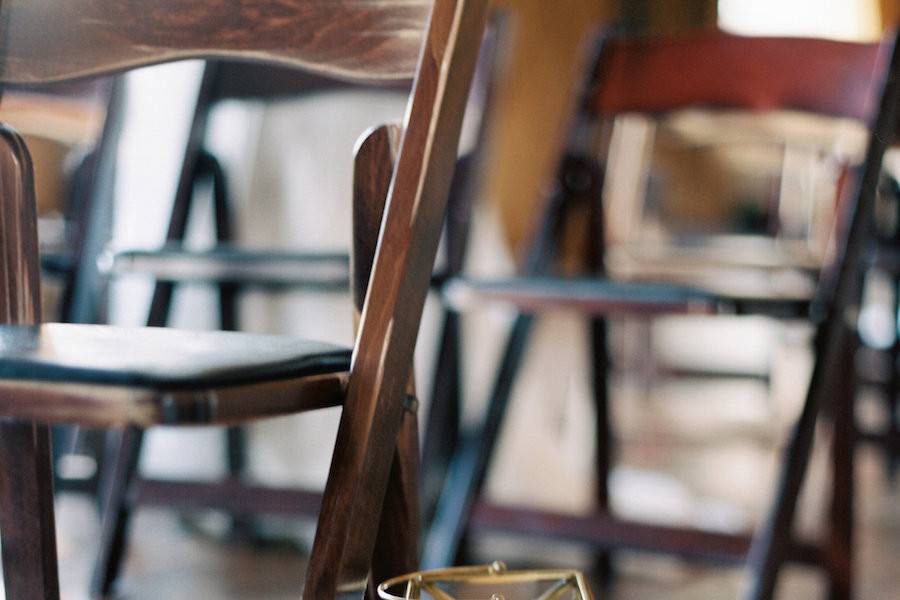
(604, 434)
(772, 542)
(839, 549)
(26, 512)
(397, 544)
(468, 470)
(117, 512)
(892, 398)
(442, 426)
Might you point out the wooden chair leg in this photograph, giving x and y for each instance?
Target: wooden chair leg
(397, 544)
(468, 470)
(839, 547)
(373, 168)
(892, 397)
(770, 547)
(442, 425)
(604, 433)
(26, 459)
(26, 512)
(395, 298)
(117, 512)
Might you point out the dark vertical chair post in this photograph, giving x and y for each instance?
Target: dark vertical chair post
(396, 295)
(397, 542)
(26, 470)
(446, 539)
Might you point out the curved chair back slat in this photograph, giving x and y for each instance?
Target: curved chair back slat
(19, 271)
(722, 71)
(366, 40)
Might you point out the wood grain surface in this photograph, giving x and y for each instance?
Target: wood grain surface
(26, 472)
(47, 40)
(722, 71)
(397, 288)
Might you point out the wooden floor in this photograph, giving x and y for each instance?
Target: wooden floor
(170, 561)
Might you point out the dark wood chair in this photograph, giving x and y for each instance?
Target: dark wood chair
(105, 376)
(877, 367)
(232, 270)
(657, 76)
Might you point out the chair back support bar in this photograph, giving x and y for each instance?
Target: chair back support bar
(407, 246)
(20, 302)
(366, 40)
(723, 71)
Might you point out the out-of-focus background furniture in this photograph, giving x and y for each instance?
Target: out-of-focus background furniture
(219, 262)
(633, 78)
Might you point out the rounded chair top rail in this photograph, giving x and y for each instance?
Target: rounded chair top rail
(725, 71)
(47, 41)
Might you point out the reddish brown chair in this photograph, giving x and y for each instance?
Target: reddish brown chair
(140, 377)
(656, 76)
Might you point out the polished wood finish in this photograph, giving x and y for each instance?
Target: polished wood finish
(397, 541)
(396, 296)
(721, 71)
(20, 302)
(375, 158)
(26, 472)
(376, 34)
(351, 39)
(110, 406)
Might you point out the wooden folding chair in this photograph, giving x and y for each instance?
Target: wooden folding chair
(656, 76)
(108, 376)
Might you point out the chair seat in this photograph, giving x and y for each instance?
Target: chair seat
(228, 264)
(606, 297)
(110, 375)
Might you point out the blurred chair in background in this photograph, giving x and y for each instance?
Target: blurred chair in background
(231, 270)
(835, 79)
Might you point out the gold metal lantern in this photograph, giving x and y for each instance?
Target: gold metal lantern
(488, 582)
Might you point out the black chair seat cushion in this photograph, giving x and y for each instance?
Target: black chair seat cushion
(160, 358)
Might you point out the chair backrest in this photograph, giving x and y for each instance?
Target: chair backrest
(48, 40)
(19, 272)
(722, 71)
